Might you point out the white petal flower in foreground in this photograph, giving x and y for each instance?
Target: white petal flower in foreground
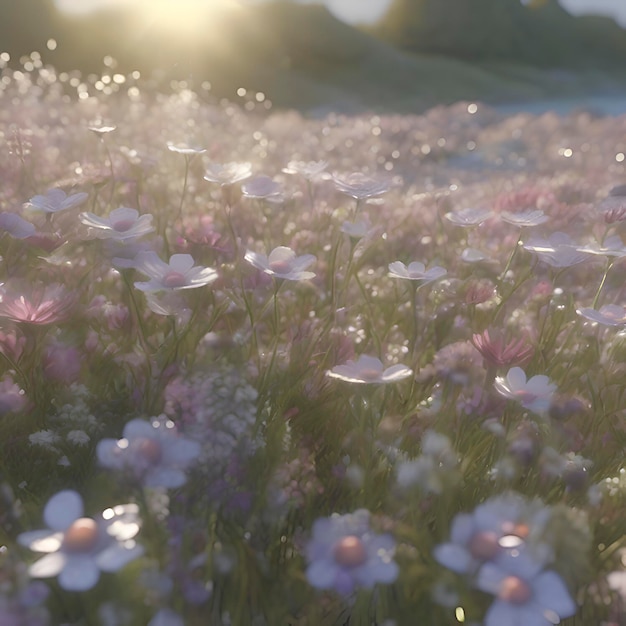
(360, 187)
(369, 370)
(56, 200)
(468, 217)
(309, 170)
(608, 315)
(121, 224)
(416, 271)
(153, 452)
(282, 263)
(612, 246)
(558, 250)
(528, 218)
(228, 173)
(79, 548)
(263, 188)
(534, 394)
(179, 273)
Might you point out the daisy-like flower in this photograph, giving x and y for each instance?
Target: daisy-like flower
(309, 170)
(344, 554)
(360, 187)
(79, 548)
(473, 255)
(185, 150)
(416, 271)
(282, 262)
(498, 352)
(558, 250)
(228, 173)
(608, 315)
(502, 523)
(525, 594)
(534, 394)
(468, 217)
(121, 224)
(356, 230)
(179, 273)
(263, 188)
(55, 200)
(612, 246)
(369, 370)
(43, 305)
(16, 226)
(524, 219)
(153, 452)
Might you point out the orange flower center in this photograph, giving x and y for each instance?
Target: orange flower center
(81, 536)
(514, 590)
(350, 552)
(150, 450)
(280, 267)
(121, 226)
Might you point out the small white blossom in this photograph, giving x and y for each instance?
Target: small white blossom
(44, 438)
(369, 370)
(228, 173)
(416, 271)
(468, 217)
(534, 394)
(360, 187)
(121, 224)
(558, 250)
(263, 188)
(282, 262)
(78, 437)
(55, 200)
(524, 219)
(179, 273)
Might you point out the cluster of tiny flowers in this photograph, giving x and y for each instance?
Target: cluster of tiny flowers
(218, 410)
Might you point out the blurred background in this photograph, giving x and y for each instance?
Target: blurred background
(340, 55)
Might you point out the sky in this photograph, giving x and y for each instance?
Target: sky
(367, 11)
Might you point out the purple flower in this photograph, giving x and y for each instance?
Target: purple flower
(78, 548)
(344, 554)
(525, 595)
(152, 451)
(56, 200)
(496, 526)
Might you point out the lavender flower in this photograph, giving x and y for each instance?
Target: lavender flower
(151, 451)
(56, 200)
(282, 263)
(534, 394)
(121, 224)
(344, 554)
(179, 273)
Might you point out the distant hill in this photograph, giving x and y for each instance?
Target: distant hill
(541, 34)
(301, 56)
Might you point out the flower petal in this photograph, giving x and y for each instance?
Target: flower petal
(62, 509)
(49, 565)
(117, 556)
(79, 574)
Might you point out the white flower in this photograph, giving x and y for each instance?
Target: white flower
(534, 394)
(309, 170)
(612, 246)
(359, 186)
(56, 200)
(185, 150)
(530, 217)
(472, 255)
(78, 437)
(153, 452)
(263, 187)
(558, 250)
(468, 216)
(179, 273)
(123, 223)
(525, 594)
(282, 263)
(78, 548)
(608, 315)
(369, 370)
(228, 174)
(44, 438)
(416, 271)
(16, 226)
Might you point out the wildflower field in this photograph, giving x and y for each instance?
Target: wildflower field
(264, 369)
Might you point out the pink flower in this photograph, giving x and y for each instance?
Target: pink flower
(498, 352)
(43, 305)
